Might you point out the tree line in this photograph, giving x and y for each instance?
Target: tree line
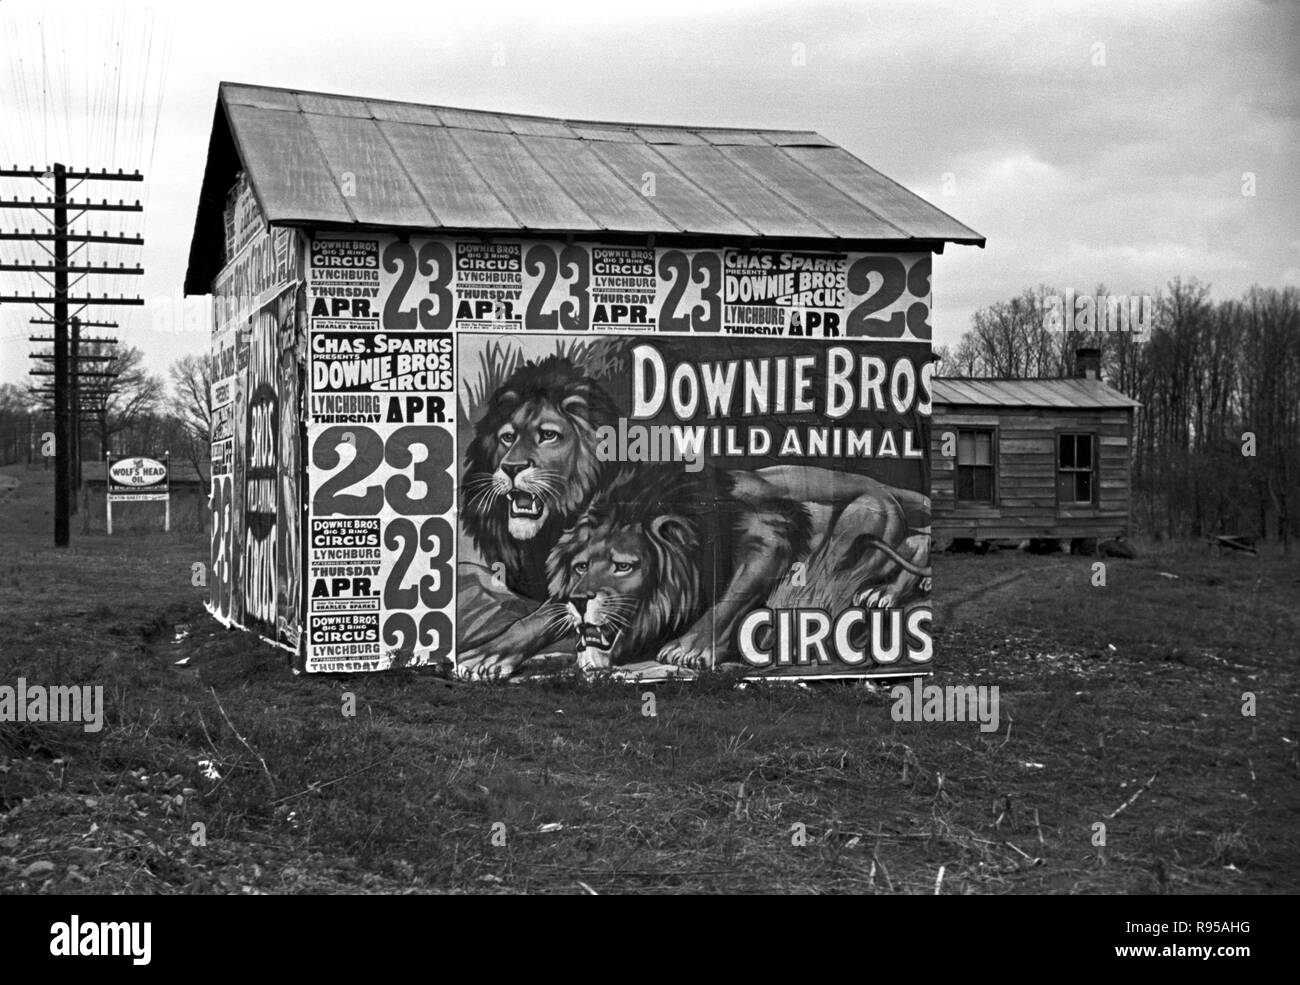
(1217, 438)
(1215, 445)
(128, 411)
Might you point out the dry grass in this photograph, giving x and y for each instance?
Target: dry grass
(1101, 688)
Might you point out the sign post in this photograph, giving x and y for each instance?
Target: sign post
(108, 496)
(167, 503)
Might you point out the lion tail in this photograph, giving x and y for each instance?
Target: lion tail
(904, 563)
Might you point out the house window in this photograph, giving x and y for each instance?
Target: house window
(975, 466)
(1076, 469)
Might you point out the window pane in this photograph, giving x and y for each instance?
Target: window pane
(1065, 487)
(1067, 451)
(983, 485)
(965, 447)
(965, 482)
(1083, 487)
(983, 448)
(1083, 451)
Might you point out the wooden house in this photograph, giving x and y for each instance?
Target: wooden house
(1031, 459)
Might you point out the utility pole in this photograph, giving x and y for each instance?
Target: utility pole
(67, 370)
(84, 398)
(74, 407)
(61, 442)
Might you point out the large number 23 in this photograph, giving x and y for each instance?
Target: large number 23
(894, 278)
(541, 261)
(705, 269)
(370, 450)
(434, 262)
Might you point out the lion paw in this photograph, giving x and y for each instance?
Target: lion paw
(693, 651)
(874, 598)
(486, 663)
(590, 662)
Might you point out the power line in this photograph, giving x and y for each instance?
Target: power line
(68, 370)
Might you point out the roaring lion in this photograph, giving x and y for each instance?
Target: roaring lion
(532, 467)
(654, 553)
(532, 472)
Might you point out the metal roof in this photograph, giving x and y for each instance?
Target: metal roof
(1067, 394)
(420, 167)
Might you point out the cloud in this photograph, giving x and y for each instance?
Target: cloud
(1129, 171)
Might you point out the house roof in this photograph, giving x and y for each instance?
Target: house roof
(418, 167)
(1064, 394)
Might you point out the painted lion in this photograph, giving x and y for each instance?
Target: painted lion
(627, 574)
(532, 467)
(532, 472)
(654, 554)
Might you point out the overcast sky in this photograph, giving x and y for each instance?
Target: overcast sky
(1089, 142)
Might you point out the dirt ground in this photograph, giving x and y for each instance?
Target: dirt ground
(1162, 704)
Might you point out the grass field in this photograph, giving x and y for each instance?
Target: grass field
(1107, 693)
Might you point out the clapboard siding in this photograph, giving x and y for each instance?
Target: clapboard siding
(1025, 474)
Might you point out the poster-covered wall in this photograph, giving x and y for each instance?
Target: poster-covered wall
(256, 395)
(525, 453)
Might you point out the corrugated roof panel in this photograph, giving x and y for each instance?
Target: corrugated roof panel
(948, 391)
(1011, 392)
(971, 395)
(469, 119)
(944, 391)
(739, 193)
(405, 113)
(1067, 394)
(733, 138)
(983, 392)
(1104, 394)
(668, 135)
(619, 135)
(1042, 393)
(611, 202)
(290, 174)
(533, 197)
(794, 138)
(674, 195)
(815, 198)
(528, 126)
(445, 179)
(1076, 396)
(888, 199)
(382, 192)
(259, 97)
(310, 102)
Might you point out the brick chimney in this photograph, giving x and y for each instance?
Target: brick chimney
(1087, 363)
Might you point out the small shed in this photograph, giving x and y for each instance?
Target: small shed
(445, 340)
(1036, 459)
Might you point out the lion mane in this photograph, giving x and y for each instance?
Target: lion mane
(554, 387)
(684, 531)
(633, 516)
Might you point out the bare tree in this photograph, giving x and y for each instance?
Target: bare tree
(129, 398)
(16, 423)
(1270, 414)
(191, 407)
(1010, 340)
